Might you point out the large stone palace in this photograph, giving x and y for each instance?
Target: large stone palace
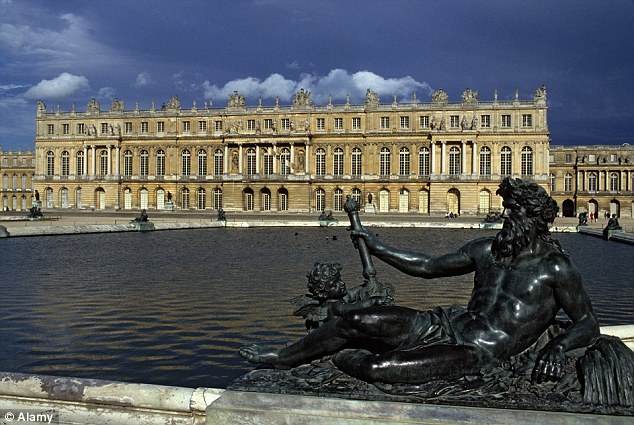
(433, 157)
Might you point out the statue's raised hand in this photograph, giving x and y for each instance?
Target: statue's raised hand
(371, 241)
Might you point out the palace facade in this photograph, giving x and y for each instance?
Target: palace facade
(16, 169)
(426, 157)
(594, 179)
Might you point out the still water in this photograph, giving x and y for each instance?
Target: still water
(173, 308)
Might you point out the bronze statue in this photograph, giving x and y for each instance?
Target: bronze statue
(522, 280)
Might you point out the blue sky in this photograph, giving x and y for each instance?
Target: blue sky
(74, 50)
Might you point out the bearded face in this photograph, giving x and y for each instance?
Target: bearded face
(517, 233)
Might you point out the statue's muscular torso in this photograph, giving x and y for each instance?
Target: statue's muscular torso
(512, 303)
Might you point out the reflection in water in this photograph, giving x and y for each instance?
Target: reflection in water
(172, 308)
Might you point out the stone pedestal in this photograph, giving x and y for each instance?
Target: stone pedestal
(143, 226)
(369, 208)
(169, 206)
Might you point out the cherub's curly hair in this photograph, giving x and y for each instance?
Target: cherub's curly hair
(320, 277)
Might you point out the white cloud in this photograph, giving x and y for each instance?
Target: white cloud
(62, 86)
(143, 79)
(106, 93)
(338, 83)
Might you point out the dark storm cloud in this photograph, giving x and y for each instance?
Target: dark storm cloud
(151, 50)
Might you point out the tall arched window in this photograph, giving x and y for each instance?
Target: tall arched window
(219, 162)
(423, 162)
(65, 163)
(50, 163)
(568, 182)
(592, 182)
(356, 195)
(80, 163)
(268, 163)
(320, 199)
(485, 161)
(551, 182)
(251, 162)
(127, 163)
(103, 162)
(320, 162)
(614, 182)
(282, 195)
(217, 198)
(186, 164)
(202, 162)
(14, 182)
(265, 195)
(527, 161)
(24, 181)
(384, 162)
(454, 161)
(144, 162)
(338, 200)
(403, 162)
(506, 161)
(160, 162)
(285, 161)
(356, 163)
(185, 198)
(337, 162)
(485, 202)
(201, 197)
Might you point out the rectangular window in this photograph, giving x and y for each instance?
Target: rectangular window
(202, 126)
(485, 121)
(551, 159)
(186, 126)
(527, 120)
(506, 121)
(81, 128)
(321, 124)
(268, 124)
(385, 123)
(128, 128)
(404, 123)
(454, 121)
(65, 129)
(338, 123)
(356, 123)
(286, 124)
(568, 158)
(268, 164)
(160, 127)
(104, 128)
(218, 126)
(50, 129)
(144, 127)
(251, 125)
(424, 121)
(592, 158)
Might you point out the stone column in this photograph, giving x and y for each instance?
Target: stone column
(307, 159)
(443, 159)
(257, 160)
(85, 170)
(293, 157)
(432, 161)
(94, 160)
(225, 165)
(474, 158)
(240, 158)
(118, 161)
(464, 158)
(108, 165)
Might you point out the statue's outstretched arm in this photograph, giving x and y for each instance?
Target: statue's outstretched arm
(419, 264)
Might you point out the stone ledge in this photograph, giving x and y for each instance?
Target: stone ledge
(246, 408)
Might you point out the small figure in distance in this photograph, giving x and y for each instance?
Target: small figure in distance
(329, 296)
